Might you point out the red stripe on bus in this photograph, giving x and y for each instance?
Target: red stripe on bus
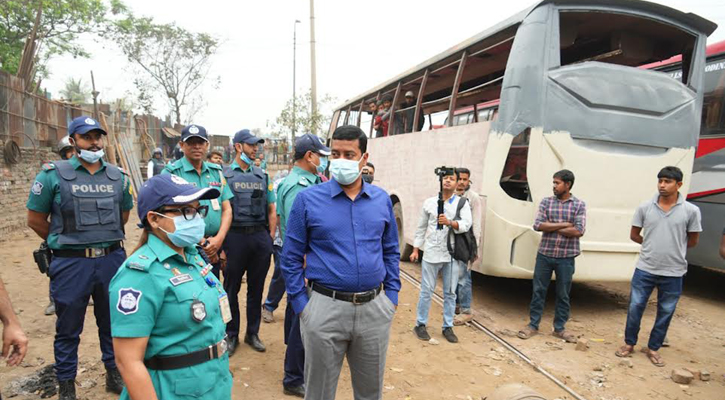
(693, 196)
(707, 146)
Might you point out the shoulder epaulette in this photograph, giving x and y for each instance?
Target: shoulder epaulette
(48, 166)
(214, 165)
(139, 262)
(123, 171)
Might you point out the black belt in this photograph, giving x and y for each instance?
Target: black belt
(248, 229)
(187, 360)
(90, 252)
(354, 298)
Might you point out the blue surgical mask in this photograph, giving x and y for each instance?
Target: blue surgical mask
(345, 171)
(246, 159)
(188, 232)
(323, 165)
(90, 157)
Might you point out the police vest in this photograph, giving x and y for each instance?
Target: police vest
(249, 204)
(158, 166)
(90, 206)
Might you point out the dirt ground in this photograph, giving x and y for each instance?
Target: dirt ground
(471, 369)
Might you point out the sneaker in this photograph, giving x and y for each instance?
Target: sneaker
(50, 310)
(421, 332)
(267, 316)
(449, 335)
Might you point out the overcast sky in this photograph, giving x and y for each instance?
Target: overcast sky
(360, 44)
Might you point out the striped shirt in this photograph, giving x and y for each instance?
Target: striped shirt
(551, 209)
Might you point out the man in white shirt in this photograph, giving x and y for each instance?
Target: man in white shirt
(436, 257)
(464, 291)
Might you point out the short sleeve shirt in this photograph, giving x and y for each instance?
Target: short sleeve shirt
(151, 296)
(665, 235)
(295, 182)
(211, 176)
(46, 190)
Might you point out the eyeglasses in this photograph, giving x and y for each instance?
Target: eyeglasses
(188, 212)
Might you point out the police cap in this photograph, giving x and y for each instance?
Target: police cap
(194, 131)
(84, 124)
(245, 136)
(169, 190)
(310, 142)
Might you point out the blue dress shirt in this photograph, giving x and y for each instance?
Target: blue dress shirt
(350, 246)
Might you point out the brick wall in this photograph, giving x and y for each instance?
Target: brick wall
(15, 183)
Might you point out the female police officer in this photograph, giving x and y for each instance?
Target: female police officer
(168, 311)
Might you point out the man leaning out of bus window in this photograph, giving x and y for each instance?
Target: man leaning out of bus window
(562, 220)
(432, 235)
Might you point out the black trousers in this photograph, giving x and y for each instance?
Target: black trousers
(251, 254)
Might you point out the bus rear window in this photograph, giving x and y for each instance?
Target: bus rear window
(620, 39)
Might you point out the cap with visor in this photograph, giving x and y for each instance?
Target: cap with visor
(169, 190)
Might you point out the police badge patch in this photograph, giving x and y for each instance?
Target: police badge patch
(37, 188)
(198, 310)
(128, 299)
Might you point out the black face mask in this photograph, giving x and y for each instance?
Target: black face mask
(367, 178)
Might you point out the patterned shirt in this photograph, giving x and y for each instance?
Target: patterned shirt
(551, 209)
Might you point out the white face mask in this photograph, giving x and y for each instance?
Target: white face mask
(91, 157)
(345, 171)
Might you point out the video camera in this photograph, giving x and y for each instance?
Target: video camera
(442, 172)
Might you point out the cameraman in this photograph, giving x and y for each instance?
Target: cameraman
(432, 234)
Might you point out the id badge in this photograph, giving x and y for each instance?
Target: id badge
(215, 204)
(224, 307)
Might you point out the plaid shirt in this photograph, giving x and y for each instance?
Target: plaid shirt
(551, 209)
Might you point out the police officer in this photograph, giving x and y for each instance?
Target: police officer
(167, 309)
(156, 163)
(248, 245)
(88, 201)
(202, 174)
(310, 160)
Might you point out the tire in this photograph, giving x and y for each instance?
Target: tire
(404, 248)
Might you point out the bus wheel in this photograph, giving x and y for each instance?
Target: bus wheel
(405, 249)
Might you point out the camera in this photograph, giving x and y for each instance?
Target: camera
(445, 171)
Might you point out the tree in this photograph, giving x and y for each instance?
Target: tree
(76, 91)
(174, 61)
(61, 23)
(304, 120)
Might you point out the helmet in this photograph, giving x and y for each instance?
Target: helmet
(64, 143)
(158, 150)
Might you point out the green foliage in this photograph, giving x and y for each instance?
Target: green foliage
(304, 121)
(169, 59)
(76, 91)
(62, 21)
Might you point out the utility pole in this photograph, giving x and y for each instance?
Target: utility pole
(313, 80)
(95, 97)
(294, 82)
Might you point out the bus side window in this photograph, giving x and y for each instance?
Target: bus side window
(514, 180)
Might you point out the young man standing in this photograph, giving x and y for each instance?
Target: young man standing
(464, 291)
(562, 221)
(436, 257)
(671, 225)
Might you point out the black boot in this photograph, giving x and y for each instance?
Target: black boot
(67, 390)
(114, 382)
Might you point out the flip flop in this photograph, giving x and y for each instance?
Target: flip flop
(624, 351)
(566, 336)
(654, 358)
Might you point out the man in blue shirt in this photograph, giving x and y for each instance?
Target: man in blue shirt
(345, 231)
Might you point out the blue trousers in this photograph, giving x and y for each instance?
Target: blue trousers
(464, 290)
(72, 282)
(276, 285)
(564, 270)
(449, 276)
(250, 253)
(669, 289)
(294, 356)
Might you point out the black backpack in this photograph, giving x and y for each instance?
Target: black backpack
(464, 245)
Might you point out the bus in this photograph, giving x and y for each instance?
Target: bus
(707, 188)
(566, 81)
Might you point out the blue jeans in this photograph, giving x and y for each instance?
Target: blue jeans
(449, 275)
(464, 291)
(564, 270)
(669, 289)
(276, 289)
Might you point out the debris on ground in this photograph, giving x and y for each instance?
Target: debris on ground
(582, 344)
(42, 382)
(682, 376)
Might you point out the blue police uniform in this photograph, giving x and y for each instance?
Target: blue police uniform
(86, 230)
(248, 244)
